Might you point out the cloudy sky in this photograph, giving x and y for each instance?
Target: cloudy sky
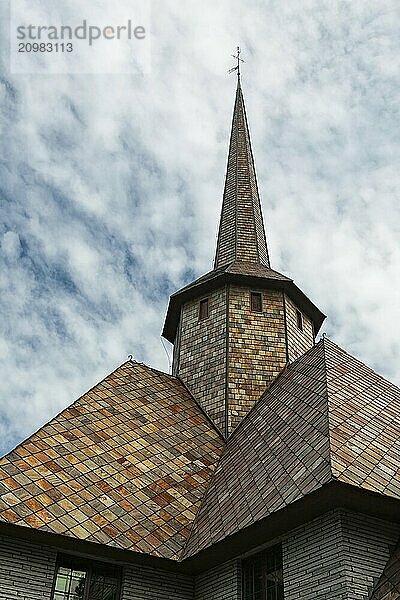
(111, 188)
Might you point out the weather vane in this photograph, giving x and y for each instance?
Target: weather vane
(239, 60)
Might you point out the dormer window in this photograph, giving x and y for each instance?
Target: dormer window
(299, 319)
(203, 309)
(256, 302)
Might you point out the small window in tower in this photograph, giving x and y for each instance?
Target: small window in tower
(203, 309)
(299, 318)
(256, 302)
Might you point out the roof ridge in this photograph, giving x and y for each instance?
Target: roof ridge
(203, 410)
(182, 556)
(322, 341)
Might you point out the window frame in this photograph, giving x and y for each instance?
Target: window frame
(299, 320)
(260, 296)
(79, 563)
(264, 556)
(204, 302)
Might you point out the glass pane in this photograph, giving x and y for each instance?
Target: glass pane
(103, 588)
(70, 584)
(77, 586)
(62, 583)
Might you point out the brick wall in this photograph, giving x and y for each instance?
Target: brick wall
(221, 583)
(257, 351)
(26, 570)
(337, 556)
(298, 341)
(313, 563)
(367, 544)
(202, 354)
(27, 573)
(145, 583)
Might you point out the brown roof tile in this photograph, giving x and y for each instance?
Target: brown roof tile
(326, 417)
(133, 463)
(120, 460)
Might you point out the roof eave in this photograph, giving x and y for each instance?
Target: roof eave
(333, 495)
(205, 286)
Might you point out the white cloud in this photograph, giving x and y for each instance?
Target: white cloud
(10, 245)
(112, 186)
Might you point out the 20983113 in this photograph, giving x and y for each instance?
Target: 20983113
(45, 47)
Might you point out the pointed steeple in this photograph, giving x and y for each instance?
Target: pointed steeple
(241, 235)
(235, 328)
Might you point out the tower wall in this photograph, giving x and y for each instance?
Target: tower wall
(200, 354)
(228, 359)
(298, 341)
(257, 348)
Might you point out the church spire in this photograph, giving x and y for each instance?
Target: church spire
(241, 236)
(235, 328)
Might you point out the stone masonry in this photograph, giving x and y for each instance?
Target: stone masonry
(228, 359)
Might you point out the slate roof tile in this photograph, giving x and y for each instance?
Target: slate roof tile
(117, 466)
(327, 416)
(135, 463)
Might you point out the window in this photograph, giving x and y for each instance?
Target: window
(263, 575)
(78, 579)
(203, 309)
(256, 302)
(299, 319)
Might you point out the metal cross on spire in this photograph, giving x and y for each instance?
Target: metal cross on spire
(239, 60)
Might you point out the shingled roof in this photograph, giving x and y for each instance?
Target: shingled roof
(242, 253)
(135, 463)
(126, 465)
(327, 417)
(241, 235)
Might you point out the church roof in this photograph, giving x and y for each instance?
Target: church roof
(135, 464)
(238, 268)
(327, 417)
(241, 235)
(125, 465)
